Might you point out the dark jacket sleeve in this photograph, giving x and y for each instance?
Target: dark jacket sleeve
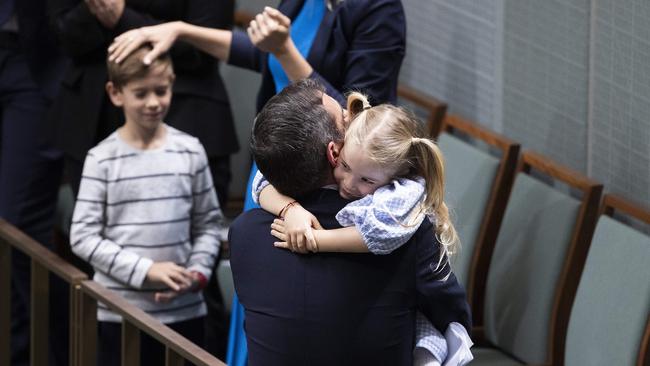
(82, 35)
(375, 50)
(79, 32)
(243, 52)
(440, 297)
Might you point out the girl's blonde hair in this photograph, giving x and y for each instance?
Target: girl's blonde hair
(395, 139)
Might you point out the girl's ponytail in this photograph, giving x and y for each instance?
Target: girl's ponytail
(357, 103)
(429, 163)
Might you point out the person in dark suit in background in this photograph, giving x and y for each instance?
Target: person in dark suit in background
(330, 308)
(84, 115)
(30, 166)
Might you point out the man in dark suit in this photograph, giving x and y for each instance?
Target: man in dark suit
(328, 308)
(30, 168)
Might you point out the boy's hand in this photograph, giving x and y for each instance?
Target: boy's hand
(198, 282)
(170, 274)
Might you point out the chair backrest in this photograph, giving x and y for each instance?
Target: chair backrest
(433, 108)
(610, 314)
(480, 168)
(537, 261)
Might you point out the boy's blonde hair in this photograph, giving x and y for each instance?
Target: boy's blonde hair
(395, 139)
(132, 67)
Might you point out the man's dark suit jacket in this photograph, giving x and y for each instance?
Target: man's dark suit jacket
(334, 308)
(359, 46)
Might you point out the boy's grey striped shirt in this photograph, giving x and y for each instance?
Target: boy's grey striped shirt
(136, 207)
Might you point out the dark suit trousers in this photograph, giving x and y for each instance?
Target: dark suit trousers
(29, 178)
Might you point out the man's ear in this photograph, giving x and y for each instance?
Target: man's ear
(333, 153)
(115, 93)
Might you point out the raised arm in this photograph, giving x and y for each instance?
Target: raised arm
(215, 42)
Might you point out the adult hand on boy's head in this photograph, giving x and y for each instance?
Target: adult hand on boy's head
(161, 37)
(170, 274)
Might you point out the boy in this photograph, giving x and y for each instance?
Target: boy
(147, 217)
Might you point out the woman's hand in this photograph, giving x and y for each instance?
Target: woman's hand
(161, 36)
(107, 12)
(269, 31)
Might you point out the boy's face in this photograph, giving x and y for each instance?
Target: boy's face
(145, 101)
(357, 175)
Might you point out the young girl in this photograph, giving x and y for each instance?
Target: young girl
(397, 176)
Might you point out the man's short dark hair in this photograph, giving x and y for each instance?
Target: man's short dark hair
(290, 138)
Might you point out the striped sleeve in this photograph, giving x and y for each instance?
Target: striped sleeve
(208, 224)
(86, 234)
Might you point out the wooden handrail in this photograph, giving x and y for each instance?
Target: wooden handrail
(52, 262)
(176, 344)
(43, 262)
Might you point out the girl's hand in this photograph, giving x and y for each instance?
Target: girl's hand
(298, 223)
(269, 31)
(295, 232)
(170, 274)
(279, 230)
(161, 36)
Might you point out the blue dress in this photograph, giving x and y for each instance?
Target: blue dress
(303, 32)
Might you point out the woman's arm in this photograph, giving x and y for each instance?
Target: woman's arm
(216, 42)
(269, 32)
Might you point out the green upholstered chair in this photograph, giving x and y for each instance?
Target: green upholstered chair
(226, 285)
(536, 264)
(480, 167)
(610, 313)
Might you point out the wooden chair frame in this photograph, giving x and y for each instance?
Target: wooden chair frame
(494, 210)
(576, 252)
(435, 108)
(611, 204)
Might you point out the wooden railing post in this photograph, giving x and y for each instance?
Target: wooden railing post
(5, 303)
(172, 358)
(130, 344)
(75, 324)
(88, 336)
(40, 318)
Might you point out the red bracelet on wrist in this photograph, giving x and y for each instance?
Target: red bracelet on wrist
(285, 208)
(202, 281)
